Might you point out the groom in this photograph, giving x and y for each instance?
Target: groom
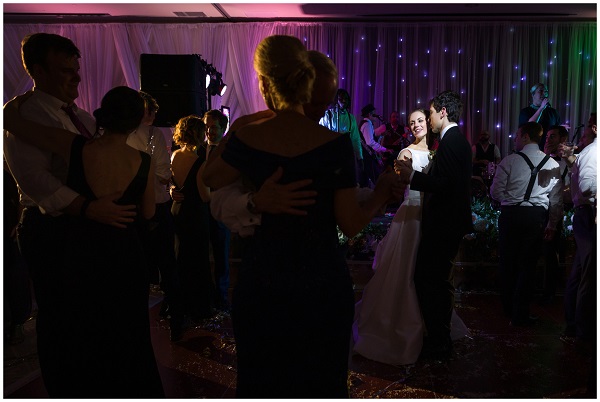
(446, 219)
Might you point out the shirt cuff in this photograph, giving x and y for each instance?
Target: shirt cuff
(57, 202)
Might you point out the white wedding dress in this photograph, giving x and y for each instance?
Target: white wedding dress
(387, 326)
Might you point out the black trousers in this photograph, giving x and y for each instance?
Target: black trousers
(552, 250)
(220, 238)
(434, 286)
(521, 234)
(41, 242)
(158, 238)
(581, 290)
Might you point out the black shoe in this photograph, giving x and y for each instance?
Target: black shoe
(441, 355)
(436, 351)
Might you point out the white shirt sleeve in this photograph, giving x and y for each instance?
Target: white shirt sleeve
(40, 174)
(162, 160)
(229, 205)
(31, 167)
(586, 164)
(367, 134)
(498, 188)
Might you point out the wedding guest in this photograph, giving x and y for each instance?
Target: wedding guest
(396, 137)
(446, 209)
(158, 235)
(239, 206)
(388, 327)
(554, 248)
(297, 290)
(527, 184)
(581, 289)
(372, 151)
(220, 236)
(540, 111)
(340, 120)
(191, 217)
(52, 61)
(105, 345)
(484, 152)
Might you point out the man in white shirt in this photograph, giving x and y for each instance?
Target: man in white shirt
(52, 61)
(556, 135)
(372, 150)
(581, 289)
(484, 153)
(528, 186)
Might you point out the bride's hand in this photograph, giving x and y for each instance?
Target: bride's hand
(12, 117)
(385, 182)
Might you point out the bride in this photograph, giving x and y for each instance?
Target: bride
(387, 323)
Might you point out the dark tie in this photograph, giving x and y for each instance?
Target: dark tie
(76, 122)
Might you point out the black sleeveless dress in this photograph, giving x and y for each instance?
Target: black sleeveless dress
(191, 222)
(107, 330)
(293, 303)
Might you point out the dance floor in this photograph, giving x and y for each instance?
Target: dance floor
(495, 361)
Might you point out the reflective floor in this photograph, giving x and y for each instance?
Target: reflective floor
(496, 361)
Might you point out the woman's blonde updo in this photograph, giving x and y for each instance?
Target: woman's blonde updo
(289, 75)
(189, 131)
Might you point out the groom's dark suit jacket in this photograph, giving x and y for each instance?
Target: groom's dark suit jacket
(447, 198)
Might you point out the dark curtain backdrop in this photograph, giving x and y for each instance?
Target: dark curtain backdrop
(395, 66)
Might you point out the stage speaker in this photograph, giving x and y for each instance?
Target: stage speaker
(173, 105)
(177, 82)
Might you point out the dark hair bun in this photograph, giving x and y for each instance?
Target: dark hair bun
(121, 110)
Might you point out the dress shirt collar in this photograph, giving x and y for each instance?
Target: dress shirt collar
(48, 99)
(448, 127)
(530, 148)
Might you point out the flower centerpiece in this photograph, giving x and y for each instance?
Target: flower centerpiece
(484, 239)
(363, 245)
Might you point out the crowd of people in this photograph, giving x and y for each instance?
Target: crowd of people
(103, 207)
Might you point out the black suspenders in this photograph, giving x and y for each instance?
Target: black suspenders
(534, 172)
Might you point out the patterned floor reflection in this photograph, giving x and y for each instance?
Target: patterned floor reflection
(497, 361)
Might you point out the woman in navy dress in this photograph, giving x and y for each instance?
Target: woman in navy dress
(293, 303)
(104, 279)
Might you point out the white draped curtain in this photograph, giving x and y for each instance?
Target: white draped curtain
(395, 66)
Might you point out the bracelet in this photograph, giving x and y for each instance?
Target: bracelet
(84, 207)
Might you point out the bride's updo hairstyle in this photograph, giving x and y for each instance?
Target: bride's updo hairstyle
(288, 76)
(121, 110)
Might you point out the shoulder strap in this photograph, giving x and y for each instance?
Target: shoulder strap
(564, 174)
(534, 173)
